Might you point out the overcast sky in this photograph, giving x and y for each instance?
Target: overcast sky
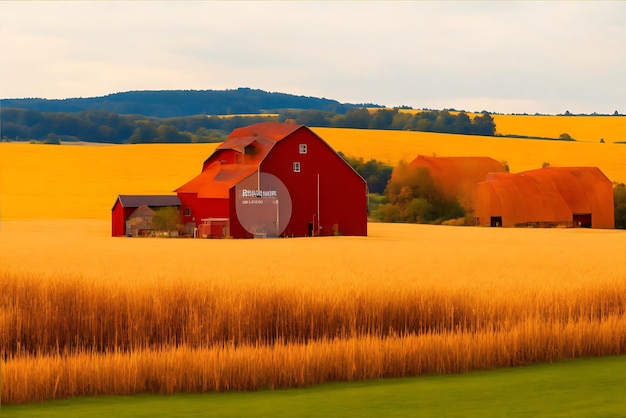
(509, 57)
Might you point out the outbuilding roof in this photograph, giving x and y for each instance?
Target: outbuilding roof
(550, 194)
(135, 200)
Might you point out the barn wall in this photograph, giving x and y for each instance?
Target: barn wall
(202, 208)
(236, 229)
(118, 220)
(119, 215)
(342, 192)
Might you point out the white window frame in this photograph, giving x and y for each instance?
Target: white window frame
(303, 148)
(296, 166)
(187, 211)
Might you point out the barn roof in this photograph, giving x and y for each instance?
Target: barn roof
(218, 177)
(262, 136)
(526, 198)
(134, 200)
(270, 130)
(216, 180)
(550, 194)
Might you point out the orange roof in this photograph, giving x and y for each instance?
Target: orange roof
(551, 194)
(216, 180)
(251, 145)
(270, 130)
(458, 176)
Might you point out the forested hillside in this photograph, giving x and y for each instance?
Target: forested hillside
(176, 103)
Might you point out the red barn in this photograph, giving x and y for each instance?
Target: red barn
(125, 205)
(275, 179)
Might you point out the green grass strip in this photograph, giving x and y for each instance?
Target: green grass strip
(594, 387)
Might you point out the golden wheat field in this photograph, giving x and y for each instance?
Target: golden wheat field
(582, 128)
(82, 313)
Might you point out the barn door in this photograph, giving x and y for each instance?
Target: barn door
(496, 221)
(582, 220)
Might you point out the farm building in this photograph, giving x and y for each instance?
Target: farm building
(457, 177)
(547, 197)
(274, 179)
(132, 214)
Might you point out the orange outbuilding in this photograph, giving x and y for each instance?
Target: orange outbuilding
(457, 177)
(546, 197)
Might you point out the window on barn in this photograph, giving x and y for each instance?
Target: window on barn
(303, 148)
(187, 212)
(250, 150)
(296, 167)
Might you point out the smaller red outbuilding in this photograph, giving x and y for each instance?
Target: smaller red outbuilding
(126, 205)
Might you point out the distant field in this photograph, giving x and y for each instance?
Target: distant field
(83, 181)
(581, 128)
(71, 181)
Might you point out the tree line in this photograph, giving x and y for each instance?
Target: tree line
(441, 121)
(108, 127)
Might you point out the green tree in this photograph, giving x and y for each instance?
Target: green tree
(52, 139)
(169, 134)
(619, 202)
(462, 124)
(424, 125)
(375, 173)
(144, 133)
(443, 122)
(402, 121)
(166, 219)
(356, 118)
(313, 118)
(382, 119)
(414, 196)
(484, 125)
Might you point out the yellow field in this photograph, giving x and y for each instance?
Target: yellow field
(83, 313)
(582, 128)
(72, 181)
(42, 181)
